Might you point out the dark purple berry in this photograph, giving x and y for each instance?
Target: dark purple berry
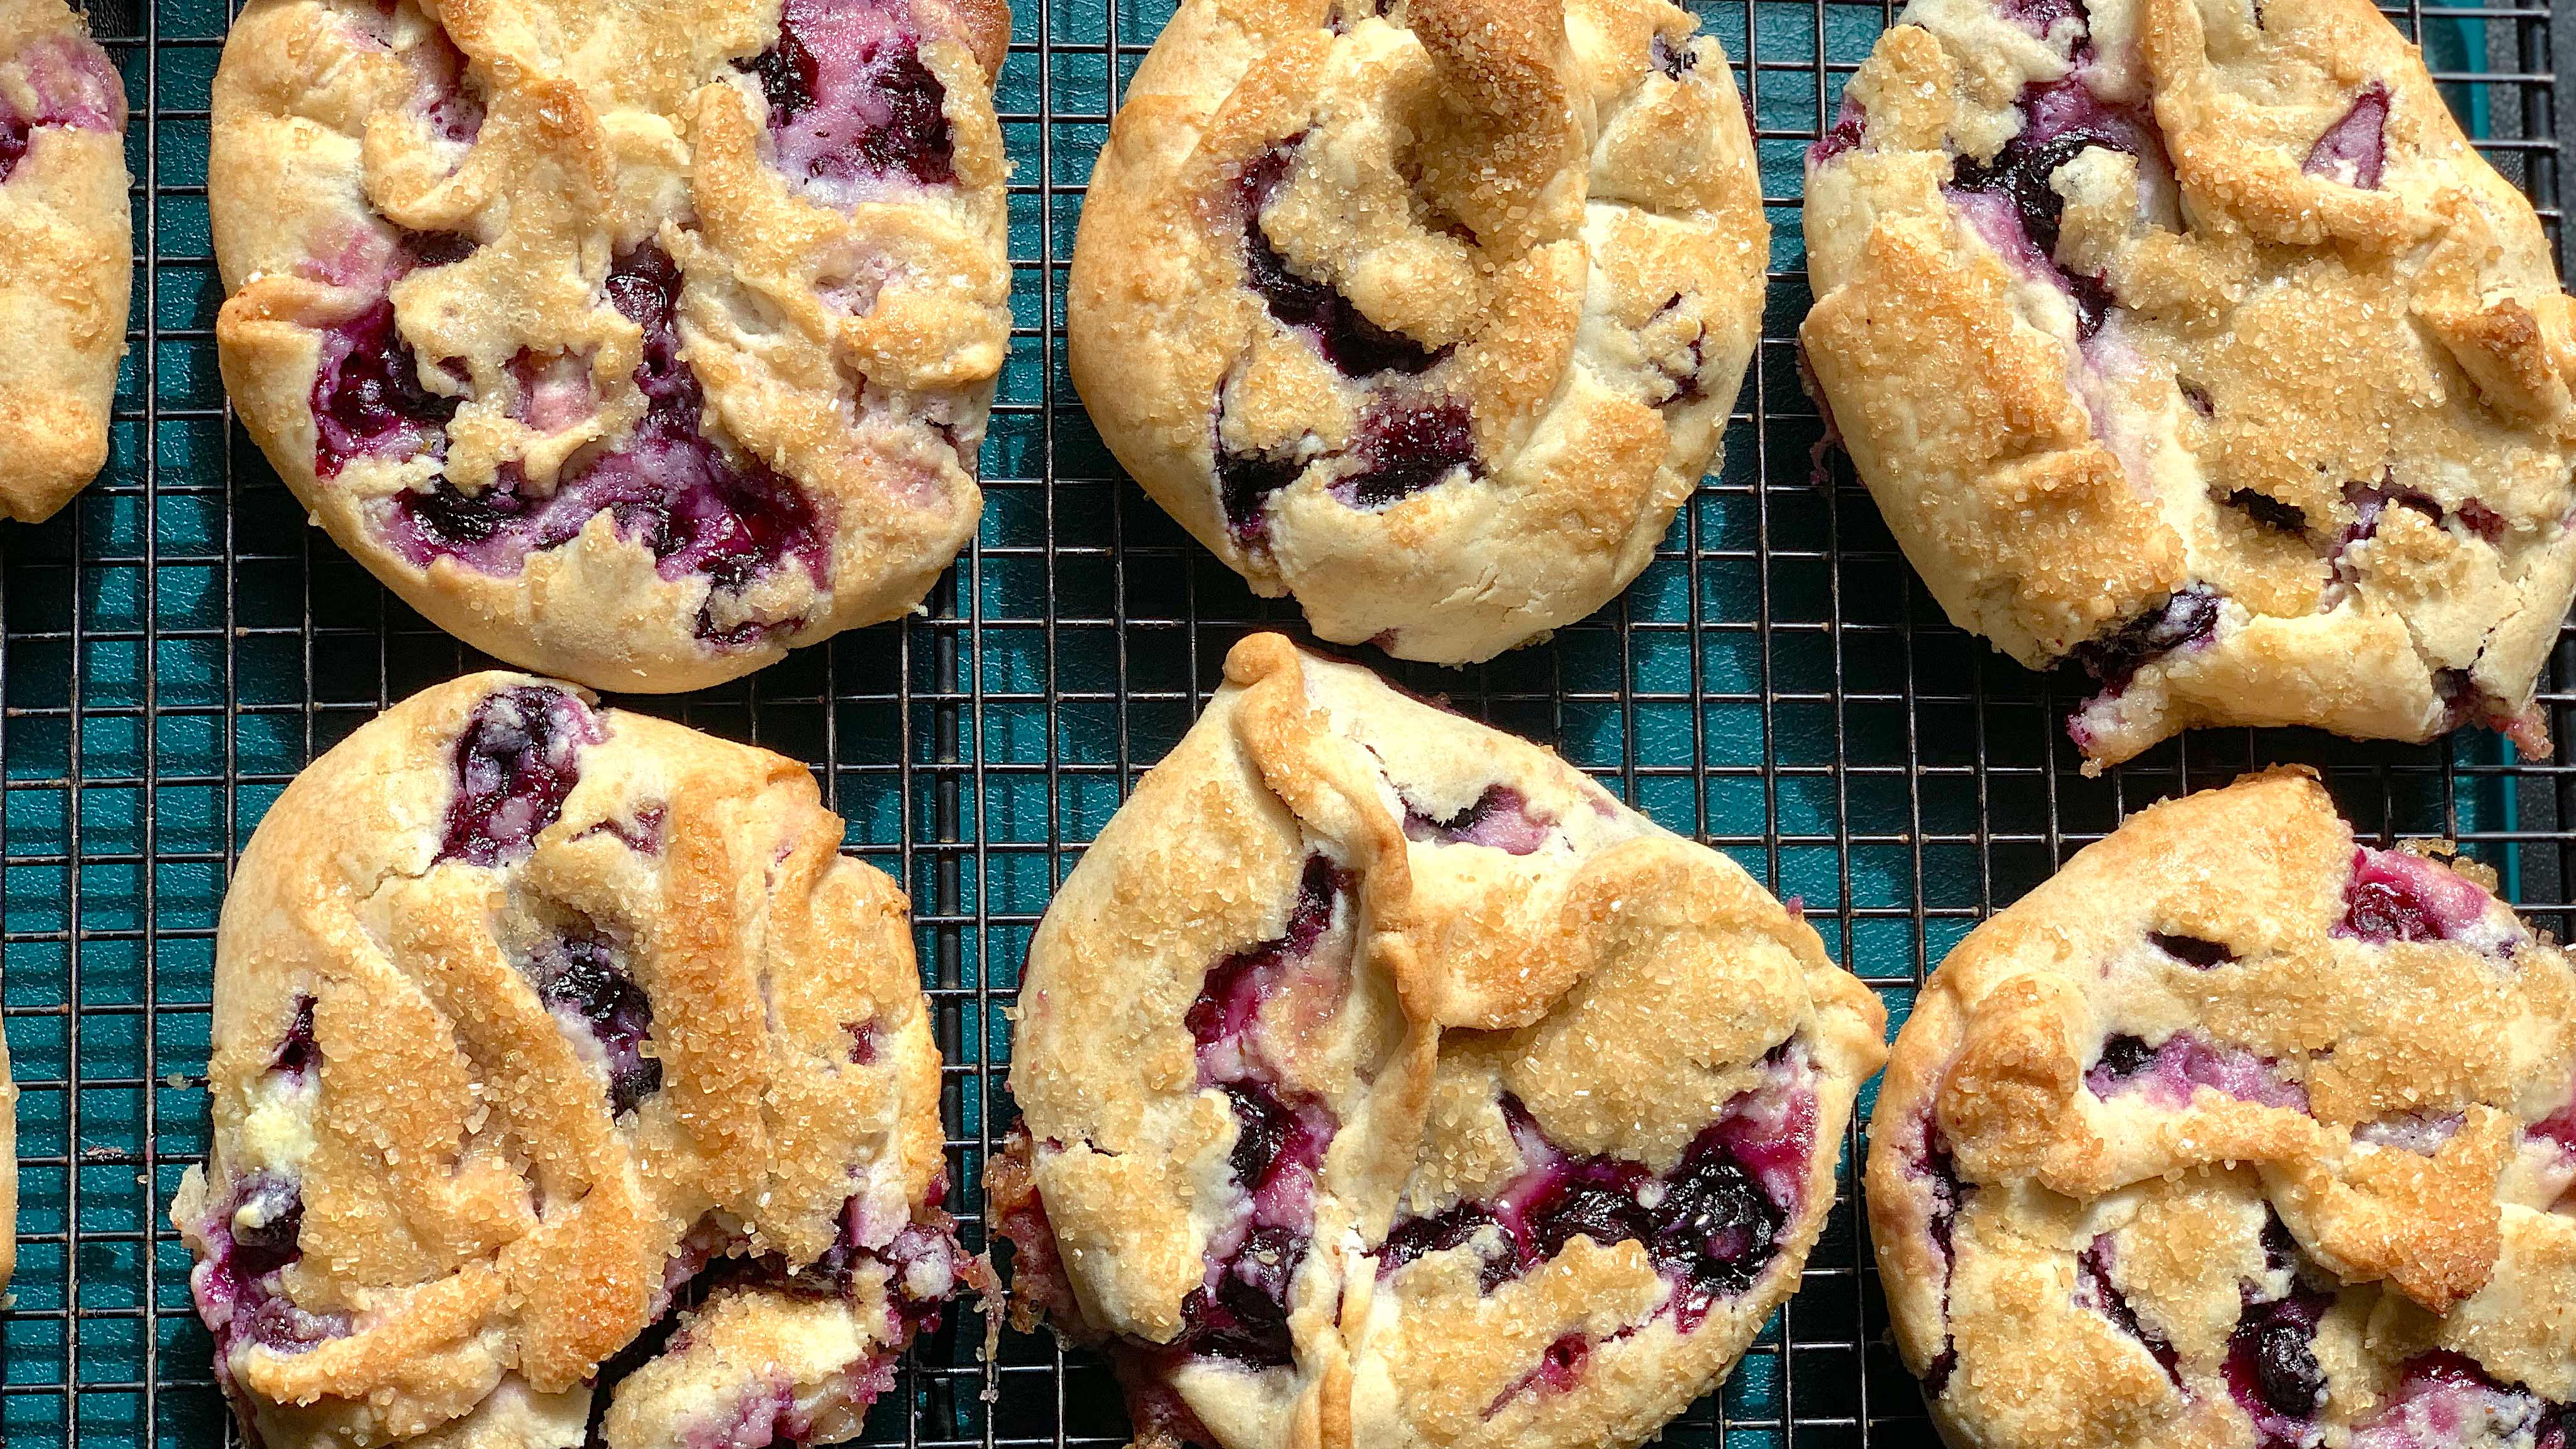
(270, 1240)
(2126, 1056)
(2020, 173)
(2271, 1367)
(849, 98)
(2093, 1281)
(1265, 1126)
(297, 1054)
(1230, 998)
(1715, 1225)
(1453, 1227)
(1675, 61)
(2384, 910)
(2182, 619)
(1843, 135)
(1500, 817)
(517, 760)
(437, 248)
(1405, 446)
(1936, 1376)
(1351, 342)
(367, 394)
(1596, 1201)
(581, 975)
(2192, 950)
(2355, 148)
(2269, 511)
(1244, 483)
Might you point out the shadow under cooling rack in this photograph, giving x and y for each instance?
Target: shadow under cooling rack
(179, 643)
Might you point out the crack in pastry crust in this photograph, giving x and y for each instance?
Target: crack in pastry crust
(2191, 341)
(635, 345)
(66, 254)
(1387, 1082)
(2237, 1133)
(1429, 314)
(566, 1081)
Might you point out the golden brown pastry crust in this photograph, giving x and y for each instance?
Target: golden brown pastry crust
(2279, 433)
(498, 1067)
(1534, 235)
(521, 179)
(1480, 975)
(66, 255)
(2212, 1078)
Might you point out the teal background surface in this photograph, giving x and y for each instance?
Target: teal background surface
(178, 643)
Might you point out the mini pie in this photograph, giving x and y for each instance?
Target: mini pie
(2236, 1133)
(528, 1016)
(2190, 340)
(66, 254)
(629, 342)
(1427, 313)
(1386, 1082)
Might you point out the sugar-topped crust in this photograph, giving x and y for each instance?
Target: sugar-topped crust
(2236, 1133)
(528, 1016)
(66, 254)
(1387, 1082)
(631, 343)
(2191, 339)
(1429, 314)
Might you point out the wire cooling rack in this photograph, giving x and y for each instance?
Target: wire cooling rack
(178, 643)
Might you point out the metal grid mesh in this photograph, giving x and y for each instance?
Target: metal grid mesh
(178, 643)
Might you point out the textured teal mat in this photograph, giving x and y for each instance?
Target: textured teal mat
(176, 645)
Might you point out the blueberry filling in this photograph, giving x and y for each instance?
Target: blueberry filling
(1241, 1311)
(2040, 16)
(2269, 511)
(2183, 619)
(516, 761)
(578, 975)
(1710, 1226)
(2443, 1395)
(922, 1260)
(1947, 1195)
(436, 248)
(849, 98)
(2272, 1371)
(1351, 342)
(1500, 818)
(2191, 950)
(2207, 406)
(367, 395)
(2125, 1056)
(2095, 1289)
(699, 509)
(2168, 1073)
(75, 87)
(1850, 123)
(1406, 445)
(249, 1240)
(1453, 1227)
(1244, 483)
(643, 834)
(2353, 149)
(1675, 61)
(2061, 120)
(297, 1054)
(2395, 896)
